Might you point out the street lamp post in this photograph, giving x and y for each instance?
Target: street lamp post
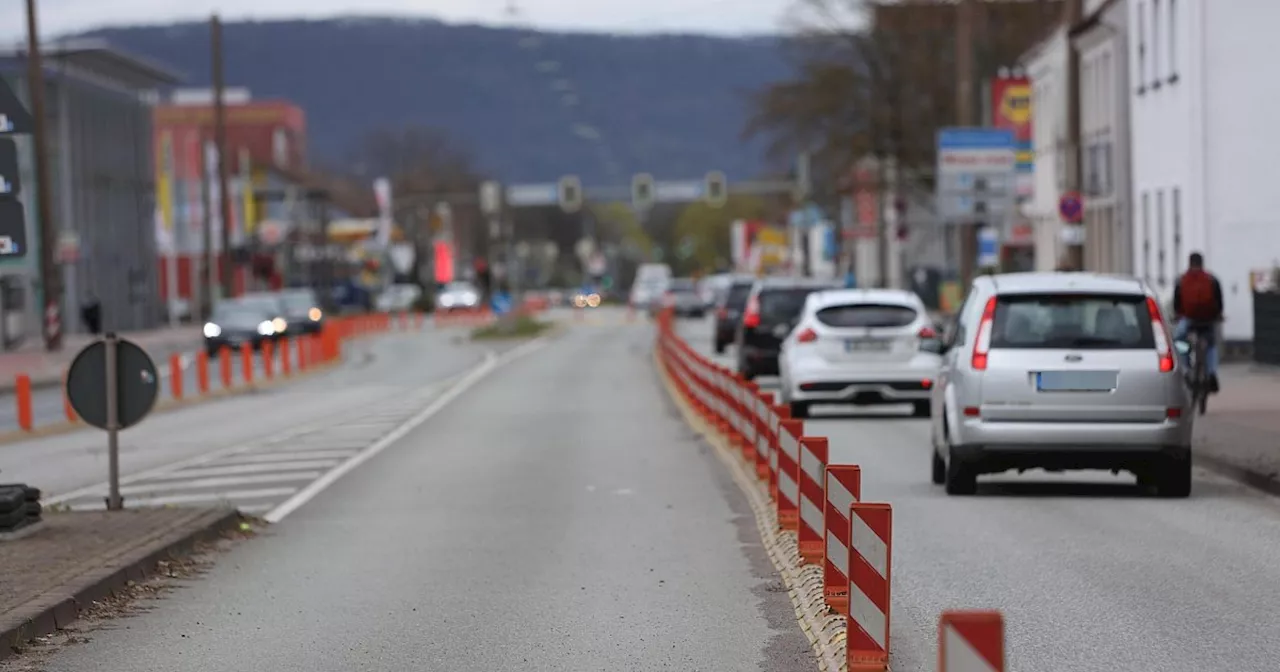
(50, 273)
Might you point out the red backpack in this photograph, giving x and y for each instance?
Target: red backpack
(1196, 291)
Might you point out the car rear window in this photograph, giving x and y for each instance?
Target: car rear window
(737, 296)
(1075, 321)
(780, 305)
(683, 286)
(867, 315)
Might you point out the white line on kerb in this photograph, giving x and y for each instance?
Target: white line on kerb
(476, 375)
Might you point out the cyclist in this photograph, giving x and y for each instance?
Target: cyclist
(1197, 303)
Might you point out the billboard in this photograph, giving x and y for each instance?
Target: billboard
(1011, 110)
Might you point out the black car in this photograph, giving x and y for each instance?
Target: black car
(235, 323)
(772, 310)
(729, 305)
(302, 311)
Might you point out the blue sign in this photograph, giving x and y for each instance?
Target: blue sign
(960, 139)
(988, 247)
(500, 303)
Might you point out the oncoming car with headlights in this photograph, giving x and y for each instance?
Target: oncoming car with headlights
(236, 322)
(586, 300)
(458, 296)
(860, 346)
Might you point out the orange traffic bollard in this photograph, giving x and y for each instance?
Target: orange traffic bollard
(175, 375)
(224, 365)
(268, 363)
(202, 371)
(67, 408)
(286, 366)
(304, 346)
(246, 363)
(22, 392)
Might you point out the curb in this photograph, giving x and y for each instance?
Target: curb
(825, 630)
(60, 609)
(1266, 483)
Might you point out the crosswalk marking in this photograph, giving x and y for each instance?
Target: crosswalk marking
(202, 471)
(224, 482)
(288, 456)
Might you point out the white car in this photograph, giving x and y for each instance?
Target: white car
(860, 346)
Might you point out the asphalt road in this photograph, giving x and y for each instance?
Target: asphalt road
(1090, 574)
(379, 374)
(559, 516)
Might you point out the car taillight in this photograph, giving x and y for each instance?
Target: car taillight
(807, 336)
(926, 333)
(982, 343)
(751, 317)
(1164, 348)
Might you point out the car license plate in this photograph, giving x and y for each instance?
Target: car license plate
(865, 345)
(1076, 381)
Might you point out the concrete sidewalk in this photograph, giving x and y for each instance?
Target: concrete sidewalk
(1240, 435)
(46, 368)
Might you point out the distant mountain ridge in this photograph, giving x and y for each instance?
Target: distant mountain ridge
(670, 105)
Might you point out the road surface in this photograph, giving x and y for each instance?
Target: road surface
(1090, 574)
(559, 516)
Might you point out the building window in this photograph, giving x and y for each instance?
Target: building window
(1177, 225)
(1173, 41)
(1155, 44)
(1160, 239)
(1142, 48)
(1146, 236)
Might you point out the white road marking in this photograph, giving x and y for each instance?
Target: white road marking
(225, 482)
(255, 468)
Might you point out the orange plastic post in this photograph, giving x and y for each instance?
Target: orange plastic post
(224, 364)
(304, 352)
(202, 371)
(246, 362)
(22, 392)
(67, 409)
(268, 363)
(286, 366)
(175, 375)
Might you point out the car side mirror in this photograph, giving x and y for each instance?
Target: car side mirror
(934, 345)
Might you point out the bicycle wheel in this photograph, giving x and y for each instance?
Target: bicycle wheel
(1202, 376)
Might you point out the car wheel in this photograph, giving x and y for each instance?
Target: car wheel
(1174, 480)
(799, 409)
(959, 479)
(939, 468)
(921, 409)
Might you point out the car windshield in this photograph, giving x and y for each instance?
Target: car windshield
(269, 305)
(782, 305)
(867, 315)
(1076, 321)
(299, 302)
(239, 315)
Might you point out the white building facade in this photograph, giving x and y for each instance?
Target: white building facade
(1046, 67)
(1204, 99)
(1101, 41)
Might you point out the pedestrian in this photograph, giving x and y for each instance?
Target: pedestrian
(91, 313)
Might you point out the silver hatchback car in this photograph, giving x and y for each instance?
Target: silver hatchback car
(1061, 371)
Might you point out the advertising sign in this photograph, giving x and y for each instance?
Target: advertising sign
(1011, 108)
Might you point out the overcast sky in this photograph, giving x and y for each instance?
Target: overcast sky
(710, 16)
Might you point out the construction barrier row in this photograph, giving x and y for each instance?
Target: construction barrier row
(278, 358)
(821, 504)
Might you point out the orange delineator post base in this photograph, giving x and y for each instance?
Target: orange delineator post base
(268, 361)
(246, 362)
(224, 366)
(202, 371)
(175, 376)
(22, 393)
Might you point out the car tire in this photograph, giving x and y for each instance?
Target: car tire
(1174, 479)
(922, 409)
(939, 468)
(799, 409)
(959, 479)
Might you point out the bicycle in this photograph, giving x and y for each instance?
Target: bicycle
(1198, 376)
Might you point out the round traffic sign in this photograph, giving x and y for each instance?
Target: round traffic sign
(1071, 208)
(137, 384)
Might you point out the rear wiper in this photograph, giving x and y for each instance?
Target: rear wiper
(1082, 341)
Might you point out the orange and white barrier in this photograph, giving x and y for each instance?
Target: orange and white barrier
(870, 544)
(843, 488)
(780, 413)
(788, 501)
(971, 641)
(765, 428)
(813, 466)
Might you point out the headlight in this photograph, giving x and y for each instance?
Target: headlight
(593, 300)
(579, 301)
(315, 314)
(266, 328)
(212, 330)
(279, 325)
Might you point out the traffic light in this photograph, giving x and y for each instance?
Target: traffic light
(716, 192)
(642, 191)
(570, 193)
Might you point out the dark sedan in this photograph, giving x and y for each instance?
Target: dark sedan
(772, 310)
(235, 323)
(729, 306)
(302, 311)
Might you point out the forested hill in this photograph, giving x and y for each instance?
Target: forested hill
(671, 105)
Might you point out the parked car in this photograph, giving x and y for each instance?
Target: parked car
(772, 310)
(683, 298)
(729, 306)
(302, 311)
(235, 322)
(864, 347)
(1061, 371)
(459, 295)
(398, 298)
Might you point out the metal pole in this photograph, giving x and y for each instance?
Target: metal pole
(209, 277)
(114, 501)
(50, 273)
(220, 140)
(1073, 10)
(965, 107)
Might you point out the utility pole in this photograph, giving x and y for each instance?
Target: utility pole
(1073, 15)
(50, 272)
(220, 141)
(966, 103)
(209, 276)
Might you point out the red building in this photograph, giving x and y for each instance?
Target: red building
(261, 135)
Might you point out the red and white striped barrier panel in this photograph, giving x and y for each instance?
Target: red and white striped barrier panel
(780, 412)
(750, 421)
(764, 439)
(971, 641)
(843, 488)
(870, 552)
(463, 318)
(788, 500)
(813, 465)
